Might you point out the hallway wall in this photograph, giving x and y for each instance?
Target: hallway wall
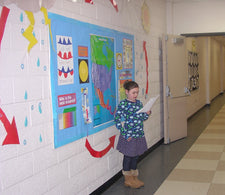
(215, 68)
(185, 17)
(198, 97)
(196, 16)
(211, 72)
(34, 166)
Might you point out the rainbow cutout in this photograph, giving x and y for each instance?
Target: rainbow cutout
(67, 118)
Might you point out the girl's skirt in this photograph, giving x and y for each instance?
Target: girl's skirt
(134, 147)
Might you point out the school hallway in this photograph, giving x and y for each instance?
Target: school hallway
(194, 165)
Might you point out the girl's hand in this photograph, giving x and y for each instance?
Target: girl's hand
(128, 139)
(149, 112)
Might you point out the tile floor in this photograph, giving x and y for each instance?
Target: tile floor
(194, 165)
(202, 169)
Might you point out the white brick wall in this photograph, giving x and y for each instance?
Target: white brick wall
(34, 166)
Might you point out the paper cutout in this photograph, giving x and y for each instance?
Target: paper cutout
(38, 62)
(127, 54)
(63, 72)
(28, 33)
(89, 1)
(193, 44)
(3, 19)
(122, 93)
(48, 22)
(21, 17)
(82, 51)
(40, 138)
(25, 95)
(149, 104)
(145, 16)
(114, 4)
(67, 118)
(67, 99)
(26, 122)
(83, 71)
(119, 61)
(85, 105)
(146, 61)
(99, 154)
(40, 108)
(65, 60)
(11, 130)
(65, 55)
(125, 74)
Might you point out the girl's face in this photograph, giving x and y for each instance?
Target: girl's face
(132, 94)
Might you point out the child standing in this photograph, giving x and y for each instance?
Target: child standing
(132, 142)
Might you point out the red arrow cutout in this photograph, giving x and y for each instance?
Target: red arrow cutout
(12, 135)
(99, 154)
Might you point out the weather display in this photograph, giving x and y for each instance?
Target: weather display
(86, 63)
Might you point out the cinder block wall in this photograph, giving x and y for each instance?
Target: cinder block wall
(34, 166)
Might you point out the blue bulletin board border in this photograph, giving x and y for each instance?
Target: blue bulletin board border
(77, 95)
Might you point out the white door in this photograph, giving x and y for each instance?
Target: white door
(175, 77)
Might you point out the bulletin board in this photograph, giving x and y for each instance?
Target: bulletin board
(88, 64)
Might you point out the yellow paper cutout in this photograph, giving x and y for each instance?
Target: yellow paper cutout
(193, 46)
(47, 22)
(145, 16)
(83, 71)
(28, 33)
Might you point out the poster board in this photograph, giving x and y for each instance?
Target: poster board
(88, 64)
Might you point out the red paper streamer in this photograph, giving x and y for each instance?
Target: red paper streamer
(146, 61)
(114, 4)
(3, 19)
(89, 1)
(12, 135)
(99, 154)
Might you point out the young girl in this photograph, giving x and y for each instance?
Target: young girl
(132, 142)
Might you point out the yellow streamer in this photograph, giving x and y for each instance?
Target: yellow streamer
(28, 33)
(48, 22)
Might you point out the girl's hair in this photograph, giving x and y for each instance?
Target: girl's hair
(128, 85)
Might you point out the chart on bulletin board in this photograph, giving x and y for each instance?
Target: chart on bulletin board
(89, 65)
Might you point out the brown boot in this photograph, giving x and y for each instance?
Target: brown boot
(135, 174)
(129, 180)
